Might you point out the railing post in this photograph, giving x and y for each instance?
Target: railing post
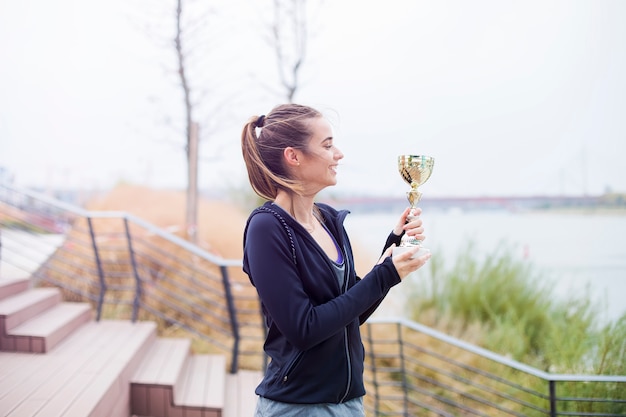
(233, 319)
(370, 341)
(138, 287)
(552, 386)
(405, 385)
(100, 270)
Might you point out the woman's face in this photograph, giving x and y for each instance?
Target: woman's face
(318, 167)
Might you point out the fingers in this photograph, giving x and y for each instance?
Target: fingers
(417, 233)
(414, 212)
(410, 259)
(414, 226)
(408, 220)
(414, 215)
(399, 227)
(407, 259)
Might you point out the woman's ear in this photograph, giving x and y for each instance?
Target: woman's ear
(291, 156)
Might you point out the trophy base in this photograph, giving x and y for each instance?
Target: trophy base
(401, 249)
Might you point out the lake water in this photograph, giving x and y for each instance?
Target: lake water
(580, 253)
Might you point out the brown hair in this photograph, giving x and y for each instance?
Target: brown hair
(285, 126)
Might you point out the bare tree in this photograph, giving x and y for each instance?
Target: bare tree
(192, 39)
(289, 38)
(191, 128)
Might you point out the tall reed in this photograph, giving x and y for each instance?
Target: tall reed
(510, 307)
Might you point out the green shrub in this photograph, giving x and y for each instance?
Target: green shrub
(519, 313)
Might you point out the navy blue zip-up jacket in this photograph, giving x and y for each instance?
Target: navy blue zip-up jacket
(313, 339)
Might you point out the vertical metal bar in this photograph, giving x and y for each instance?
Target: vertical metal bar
(233, 319)
(553, 412)
(405, 387)
(100, 270)
(370, 341)
(138, 287)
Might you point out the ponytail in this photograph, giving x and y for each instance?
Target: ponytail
(285, 126)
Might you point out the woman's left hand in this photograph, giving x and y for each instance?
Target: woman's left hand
(411, 224)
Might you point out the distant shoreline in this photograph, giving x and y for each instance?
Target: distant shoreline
(601, 204)
(603, 211)
(393, 208)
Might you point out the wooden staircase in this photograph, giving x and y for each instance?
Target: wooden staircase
(55, 360)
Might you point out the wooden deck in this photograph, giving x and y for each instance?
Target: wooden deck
(56, 361)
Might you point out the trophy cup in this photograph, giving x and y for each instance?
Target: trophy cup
(415, 170)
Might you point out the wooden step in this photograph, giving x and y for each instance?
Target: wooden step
(10, 271)
(164, 362)
(109, 392)
(40, 377)
(87, 374)
(171, 382)
(152, 385)
(24, 252)
(203, 383)
(12, 286)
(240, 399)
(19, 308)
(43, 332)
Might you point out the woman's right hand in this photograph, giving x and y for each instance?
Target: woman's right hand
(406, 261)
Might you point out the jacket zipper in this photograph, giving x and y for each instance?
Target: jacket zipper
(345, 334)
(291, 367)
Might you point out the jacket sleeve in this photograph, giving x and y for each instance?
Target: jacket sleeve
(391, 239)
(268, 261)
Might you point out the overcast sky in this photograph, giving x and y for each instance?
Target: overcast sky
(509, 97)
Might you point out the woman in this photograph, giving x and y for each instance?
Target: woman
(299, 258)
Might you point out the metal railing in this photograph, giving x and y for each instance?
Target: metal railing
(414, 370)
(128, 268)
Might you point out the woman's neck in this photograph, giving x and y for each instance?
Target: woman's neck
(300, 208)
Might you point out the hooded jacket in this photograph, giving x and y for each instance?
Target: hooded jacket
(313, 337)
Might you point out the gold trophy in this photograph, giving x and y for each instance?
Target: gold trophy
(415, 170)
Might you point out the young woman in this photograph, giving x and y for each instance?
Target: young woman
(298, 256)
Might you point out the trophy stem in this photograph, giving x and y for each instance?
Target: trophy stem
(414, 197)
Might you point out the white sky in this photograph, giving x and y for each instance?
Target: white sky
(515, 98)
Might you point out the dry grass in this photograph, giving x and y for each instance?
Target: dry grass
(220, 223)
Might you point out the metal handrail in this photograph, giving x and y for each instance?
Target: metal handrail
(131, 245)
(80, 212)
(494, 356)
(425, 381)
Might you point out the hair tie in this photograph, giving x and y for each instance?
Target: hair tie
(260, 120)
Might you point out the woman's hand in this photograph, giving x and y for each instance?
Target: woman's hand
(410, 224)
(406, 261)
